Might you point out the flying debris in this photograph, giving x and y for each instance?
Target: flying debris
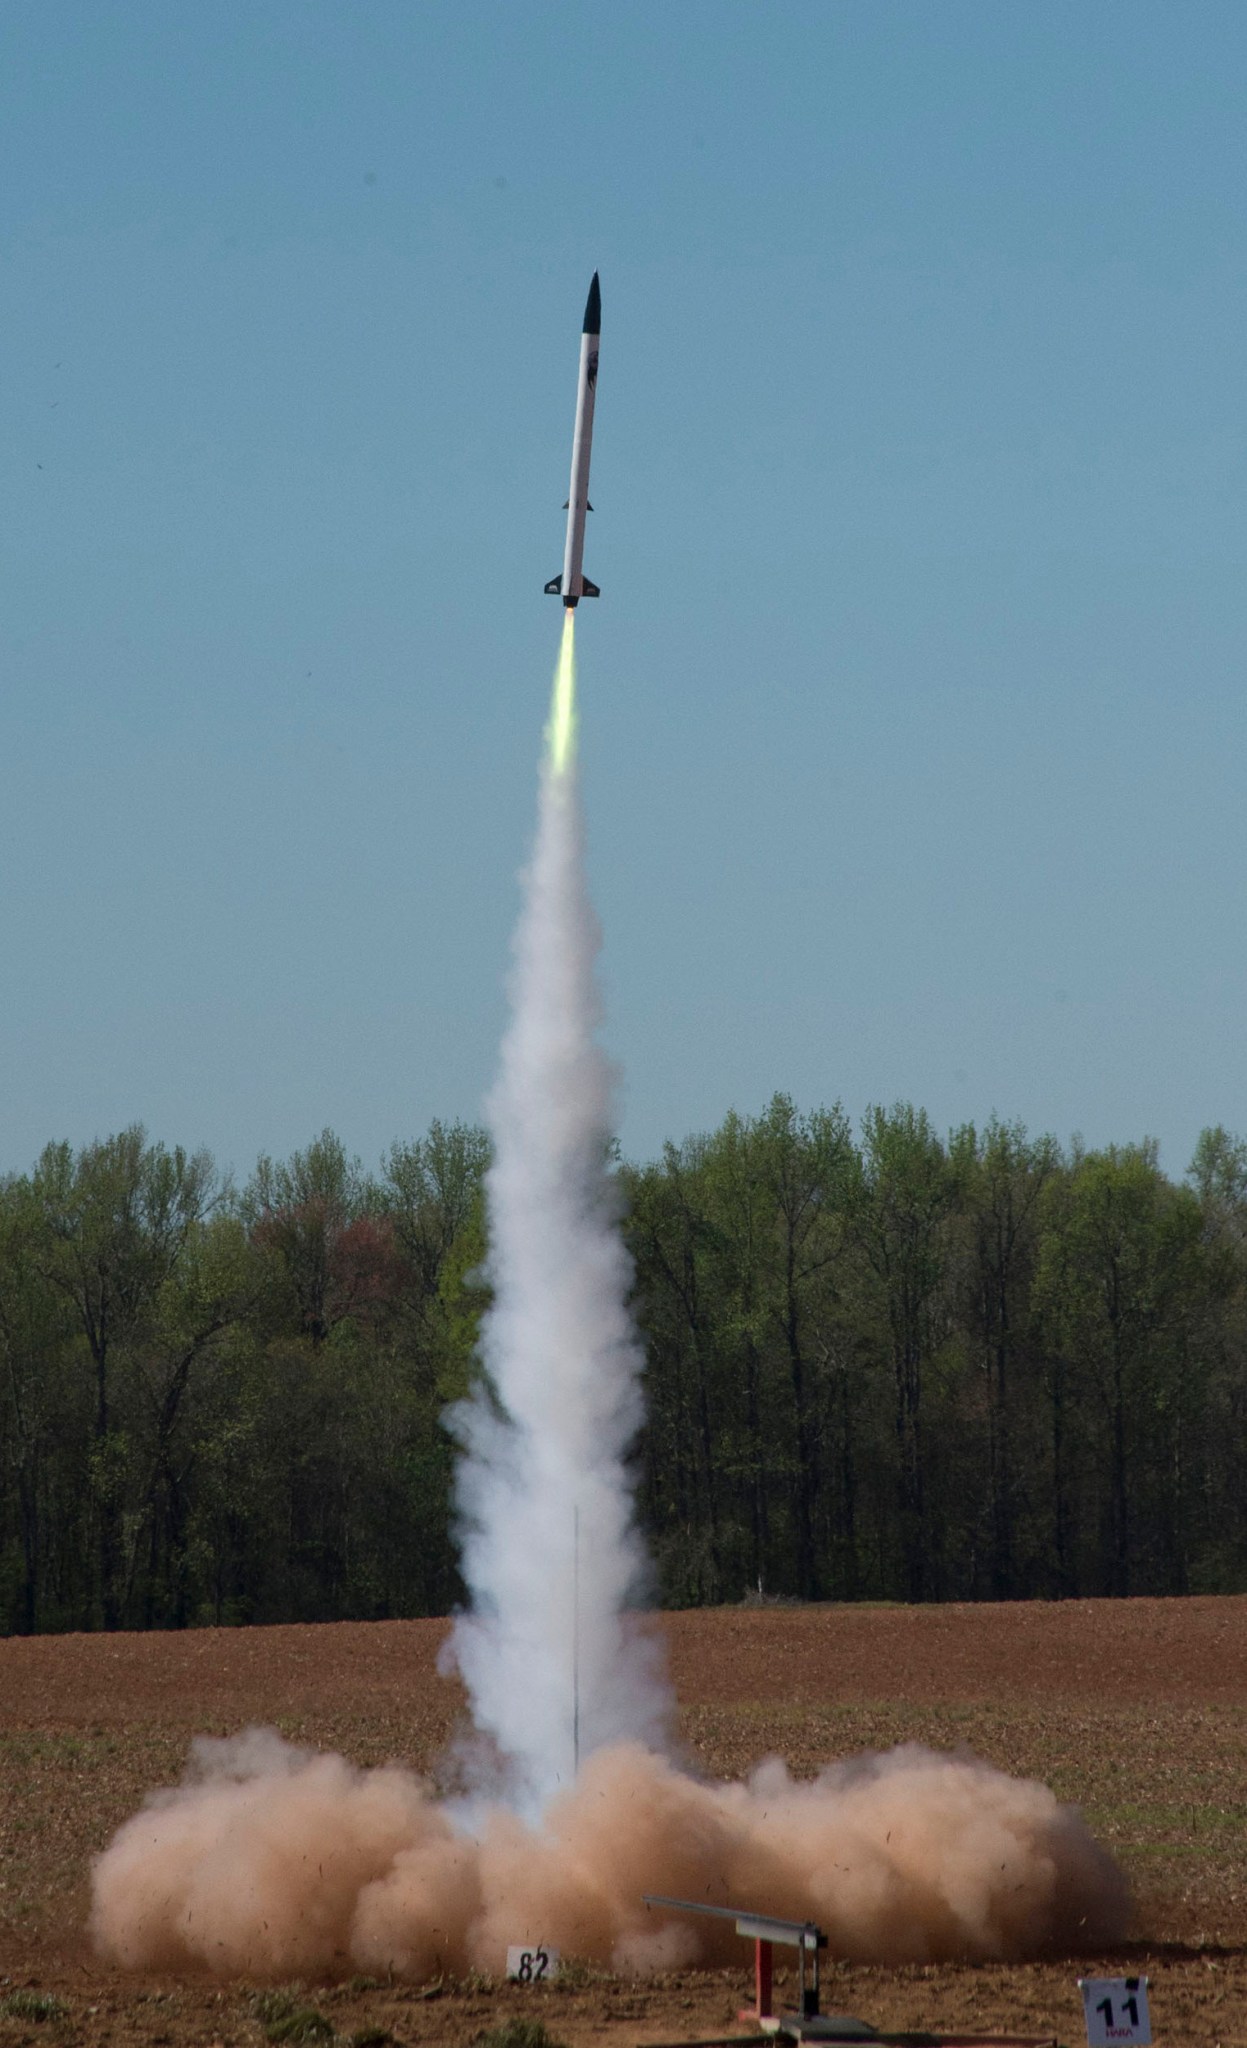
(573, 584)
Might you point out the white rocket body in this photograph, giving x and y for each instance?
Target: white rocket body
(573, 584)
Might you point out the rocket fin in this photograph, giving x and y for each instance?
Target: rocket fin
(554, 588)
(589, 589)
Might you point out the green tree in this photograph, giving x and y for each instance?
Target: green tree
(1125, 1285)
(117, 1216)
(44, 1423)
(322, 1221)
(737, 1239)
(214, 1286)
(1217, 1498)
(906, 1192)
(434, 1195)
(689, 1475)
(1003, 1174)
(802, 1167)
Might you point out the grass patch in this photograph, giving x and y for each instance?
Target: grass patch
(577, 1975)
(269, 2006)
(1195, 1829)
(285, 2020)
(303, 2024)
(518, 2032)
(32, 2005)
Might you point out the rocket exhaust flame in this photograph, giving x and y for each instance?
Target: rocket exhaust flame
(561, 726)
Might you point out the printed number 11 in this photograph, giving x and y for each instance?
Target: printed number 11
(1130, 2005)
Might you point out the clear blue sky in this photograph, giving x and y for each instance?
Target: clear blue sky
(914, 710)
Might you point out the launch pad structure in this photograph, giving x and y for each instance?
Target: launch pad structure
(764, 1932)
(808, 2023)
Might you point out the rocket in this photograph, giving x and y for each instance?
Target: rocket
(573, 584)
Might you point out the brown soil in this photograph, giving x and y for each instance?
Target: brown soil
(1136, 1710)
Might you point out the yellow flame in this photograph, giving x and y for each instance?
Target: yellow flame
(561, 730)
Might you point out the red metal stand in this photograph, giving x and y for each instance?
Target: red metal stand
(763, 1966)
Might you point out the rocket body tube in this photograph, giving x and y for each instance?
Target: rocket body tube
(572, 585)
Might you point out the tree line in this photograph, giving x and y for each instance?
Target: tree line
(878, 1365)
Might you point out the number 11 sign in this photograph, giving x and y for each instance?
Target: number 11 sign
(1115, 2009)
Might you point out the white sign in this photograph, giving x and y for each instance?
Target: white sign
(533, 1965)
(1115, 2009)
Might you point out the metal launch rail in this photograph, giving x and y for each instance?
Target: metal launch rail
(763, 1931)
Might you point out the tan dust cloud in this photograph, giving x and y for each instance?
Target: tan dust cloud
(271, 1861)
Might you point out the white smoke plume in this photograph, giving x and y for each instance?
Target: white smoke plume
(552, 1666)
(272, 1861)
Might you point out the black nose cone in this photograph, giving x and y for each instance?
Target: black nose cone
(593, 310)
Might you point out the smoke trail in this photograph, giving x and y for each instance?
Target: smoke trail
(549, 1551)
(272, 1860)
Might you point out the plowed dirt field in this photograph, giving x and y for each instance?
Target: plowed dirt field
(1135, 1710)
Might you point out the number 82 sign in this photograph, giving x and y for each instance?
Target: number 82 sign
(533, 1965)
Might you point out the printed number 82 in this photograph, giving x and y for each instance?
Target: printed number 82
(533, 1966)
